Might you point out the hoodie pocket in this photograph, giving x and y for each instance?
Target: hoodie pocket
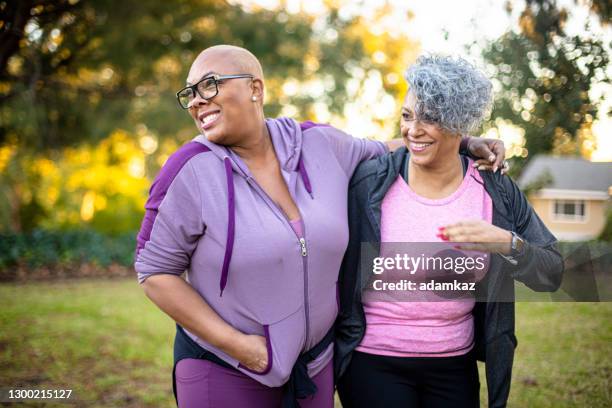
(266, 329)
(284, 342)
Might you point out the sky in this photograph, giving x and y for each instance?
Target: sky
(461, 24)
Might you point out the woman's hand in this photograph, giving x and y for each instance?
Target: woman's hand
(481, 236)
(182, 303)
(491, 151)
(253, 352)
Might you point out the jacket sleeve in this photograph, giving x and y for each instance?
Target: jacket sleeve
(349, 150)
(172, 225)
(540, 265)
(350, 323)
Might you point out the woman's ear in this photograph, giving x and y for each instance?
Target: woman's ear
(257, 86)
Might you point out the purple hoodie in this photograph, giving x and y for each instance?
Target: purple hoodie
(207, 215)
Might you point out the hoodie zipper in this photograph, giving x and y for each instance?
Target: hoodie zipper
(303, 248)
(305, 268)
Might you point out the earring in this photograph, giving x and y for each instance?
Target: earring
(254, 98)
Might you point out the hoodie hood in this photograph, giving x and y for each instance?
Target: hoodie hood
(286, 136)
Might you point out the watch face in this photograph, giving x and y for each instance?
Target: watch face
(517, 243)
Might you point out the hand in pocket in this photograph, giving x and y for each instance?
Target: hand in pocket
(254, 353)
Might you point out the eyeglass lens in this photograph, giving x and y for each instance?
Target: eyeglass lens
(207, 89)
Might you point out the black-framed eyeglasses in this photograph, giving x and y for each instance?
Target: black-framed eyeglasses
(207, 88)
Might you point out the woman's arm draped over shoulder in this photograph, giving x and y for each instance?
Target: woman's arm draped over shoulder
(488, 153)
(349, 150)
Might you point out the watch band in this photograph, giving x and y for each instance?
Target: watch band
(517, 244)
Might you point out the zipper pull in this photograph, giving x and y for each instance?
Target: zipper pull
(303, 243)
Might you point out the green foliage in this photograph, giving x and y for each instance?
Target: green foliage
(85, 69)
(544, 77)
(87, 94)
(102, 186)
(49, 248)
(603, 8)
(606, 234)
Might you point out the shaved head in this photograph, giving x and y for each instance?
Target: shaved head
(237, 59)
(236, 110)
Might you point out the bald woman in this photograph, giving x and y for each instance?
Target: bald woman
(254, 210)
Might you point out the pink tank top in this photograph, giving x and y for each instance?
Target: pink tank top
(297, 227)
(424, 329)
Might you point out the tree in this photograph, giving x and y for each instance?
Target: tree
(544, 76)
(83, 69)
(602, 8)
(74, 75)
(606, 234)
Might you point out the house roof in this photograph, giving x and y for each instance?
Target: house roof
(568, 173)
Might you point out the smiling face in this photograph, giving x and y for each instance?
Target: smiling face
(229, 117)
(428, 143)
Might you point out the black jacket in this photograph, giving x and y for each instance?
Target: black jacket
(540, 267)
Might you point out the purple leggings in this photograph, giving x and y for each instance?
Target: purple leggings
(204, 384)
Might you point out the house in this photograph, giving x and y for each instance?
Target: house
(571, 195)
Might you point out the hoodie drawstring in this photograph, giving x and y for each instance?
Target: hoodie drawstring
(231, 217)
(231, 214)
(304, 175)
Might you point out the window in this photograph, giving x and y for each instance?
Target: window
(569, 210)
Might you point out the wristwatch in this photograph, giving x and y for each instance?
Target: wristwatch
(517, 244)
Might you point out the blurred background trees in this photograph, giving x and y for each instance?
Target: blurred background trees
(88, 113)
(74, 71)
(87, 93)
(543, 79)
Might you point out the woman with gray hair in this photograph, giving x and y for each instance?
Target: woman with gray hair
(422, 351)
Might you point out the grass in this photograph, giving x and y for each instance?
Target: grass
(107, 342)
(103, 339)
(564, 356)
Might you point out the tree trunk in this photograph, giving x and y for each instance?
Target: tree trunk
(14, 18)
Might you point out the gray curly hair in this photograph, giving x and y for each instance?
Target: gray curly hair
(450, 92)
